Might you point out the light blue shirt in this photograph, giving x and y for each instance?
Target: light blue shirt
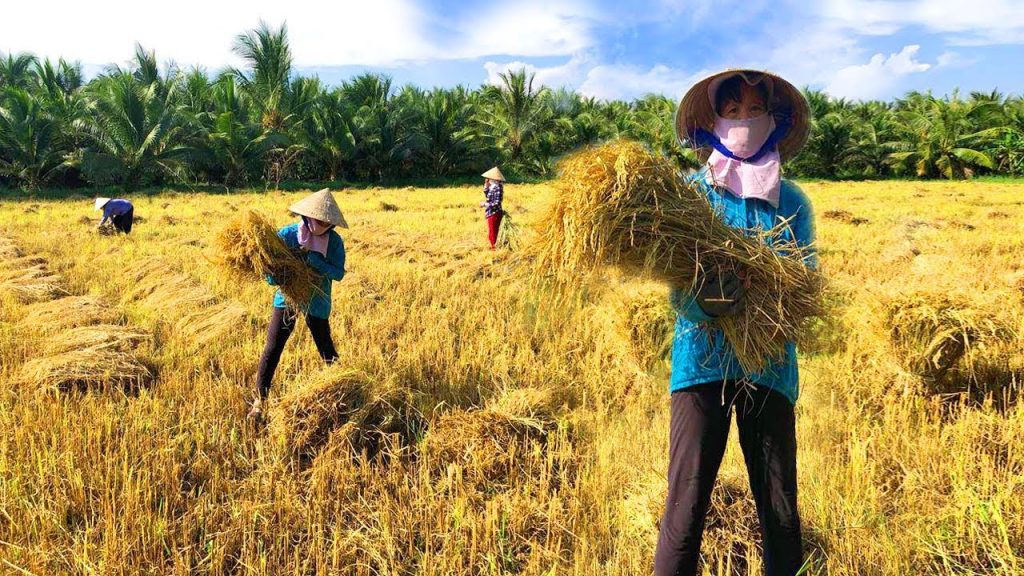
(700, 353)
(331, 267)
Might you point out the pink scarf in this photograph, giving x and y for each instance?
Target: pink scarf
(313, 239)
(758, 179)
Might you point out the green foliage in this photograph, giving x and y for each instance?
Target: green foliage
(144, 123)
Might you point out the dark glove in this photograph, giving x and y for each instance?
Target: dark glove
(721, 293)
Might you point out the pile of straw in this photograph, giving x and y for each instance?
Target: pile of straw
(69, 312)
(89, 357)
(935, 334)
(200, 317)
(29, 279)
(249, 248)
(620, 205)
(485, 444)
(346, 405)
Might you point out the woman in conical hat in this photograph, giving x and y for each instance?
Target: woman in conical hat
(315, 238)
(493, 195)
(743, 124)
(118, 212)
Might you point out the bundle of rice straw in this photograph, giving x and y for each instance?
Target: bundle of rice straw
(89, 357)
(484, 442)
(936, 333)
(620, 205)
(249, 247)
(510, 234)
(341, 404)
(62, 314)
(29, 279)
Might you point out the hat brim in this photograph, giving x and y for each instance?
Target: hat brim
(696, 110)
(322, 206)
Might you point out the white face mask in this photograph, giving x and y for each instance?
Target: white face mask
(744, 137)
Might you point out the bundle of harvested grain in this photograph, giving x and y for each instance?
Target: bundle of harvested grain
(214, 323)
(8, 249)
(69, 312)
(486, 443)
(89, 357)
(510, 235)
(644, 318)
(358, 407)
(933, 333)
(618, 204)
(28, 281)
(249, 247)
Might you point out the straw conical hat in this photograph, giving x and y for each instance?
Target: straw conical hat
(320, 205)
(697, 109)
(101, 202)
(494, 174)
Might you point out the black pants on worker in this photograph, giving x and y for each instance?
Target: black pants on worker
(698, 432)
(123, 222)
(282, 324)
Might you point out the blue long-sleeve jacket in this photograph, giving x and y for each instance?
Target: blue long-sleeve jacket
(332, 267)
(700, 353)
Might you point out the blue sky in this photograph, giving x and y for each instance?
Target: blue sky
(856, 49)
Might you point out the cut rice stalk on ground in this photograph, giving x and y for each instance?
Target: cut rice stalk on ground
(362, 409)
(249, 248)
(937, 335)
(620, 205)
(32, 283)
(69, 312)
(485, 443)
(89, 357)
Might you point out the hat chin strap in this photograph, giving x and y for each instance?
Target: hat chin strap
(703, 138)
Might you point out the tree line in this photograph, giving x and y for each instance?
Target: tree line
(142, 124)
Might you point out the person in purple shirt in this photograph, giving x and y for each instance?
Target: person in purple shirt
(119, 212)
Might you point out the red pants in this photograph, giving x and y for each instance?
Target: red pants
(493, 224)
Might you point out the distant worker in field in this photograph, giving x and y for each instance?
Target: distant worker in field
(323, 250)
(745, 124)
(493, 194)
(117, 212)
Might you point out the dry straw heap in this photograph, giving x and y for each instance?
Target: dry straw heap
(620, 205)
(362, 411)
(249, 247)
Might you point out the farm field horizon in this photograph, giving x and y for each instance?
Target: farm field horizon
(502, 431)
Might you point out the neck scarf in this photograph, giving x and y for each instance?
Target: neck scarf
(313, 236)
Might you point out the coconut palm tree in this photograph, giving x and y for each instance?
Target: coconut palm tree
(515, 115)
(16, 70)
(327, 133)
(29, 140)
(269, 59)
(135, 136)
(939, 138)
(448, 132)
(236, 144)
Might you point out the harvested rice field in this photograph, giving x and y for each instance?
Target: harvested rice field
(475, 423)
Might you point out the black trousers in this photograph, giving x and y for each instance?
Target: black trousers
(282, 324)
(698, 432)
(123, 222)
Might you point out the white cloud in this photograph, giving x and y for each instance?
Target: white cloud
(878, 77)
(982, 22)
(952, 60)
(347, 32)
(202, 32)
(569, 74)
(625, 82)
(527, 28)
